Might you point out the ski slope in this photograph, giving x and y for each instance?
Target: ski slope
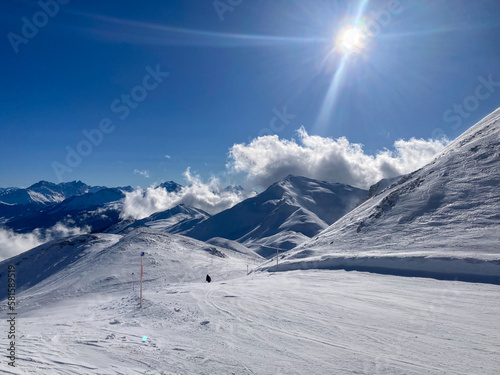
(299, 322)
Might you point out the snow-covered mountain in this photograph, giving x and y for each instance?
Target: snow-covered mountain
(443, 218)
(286, 214)
(18, 202)
(97, 210)
(44, 193)
(171, 186)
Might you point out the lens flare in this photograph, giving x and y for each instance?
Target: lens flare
(352, 39)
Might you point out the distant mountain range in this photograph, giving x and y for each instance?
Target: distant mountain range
(16, 203)
(283, 216)
(44, 193)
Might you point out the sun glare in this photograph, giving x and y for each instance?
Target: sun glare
(351, 39)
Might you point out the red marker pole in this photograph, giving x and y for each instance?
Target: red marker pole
(142, 254)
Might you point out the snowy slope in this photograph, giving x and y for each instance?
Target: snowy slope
(102, 262)
(235, 246)
(443, 218)
(300, 322)
(287, 213)
(377, 188)
(178, 219)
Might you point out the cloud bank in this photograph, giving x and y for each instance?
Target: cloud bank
(12, 243)
(268, 159)
(211, 197)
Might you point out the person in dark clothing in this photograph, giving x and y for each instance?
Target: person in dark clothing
(208, 278)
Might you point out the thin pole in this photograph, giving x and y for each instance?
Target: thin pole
(247, 269)
(132, 281)
(276, 257)
(142, 254)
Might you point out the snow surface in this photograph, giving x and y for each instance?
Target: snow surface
(85, 318)
(234, 246)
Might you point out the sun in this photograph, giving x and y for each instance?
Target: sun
(351, 40)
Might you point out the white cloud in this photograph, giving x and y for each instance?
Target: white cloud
(210, 197)
(12, 243)
(267, 159)
(144, 173)
(168, 156)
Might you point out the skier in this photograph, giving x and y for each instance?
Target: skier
(208, 278)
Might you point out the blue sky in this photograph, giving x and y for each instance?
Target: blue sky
(231, 73)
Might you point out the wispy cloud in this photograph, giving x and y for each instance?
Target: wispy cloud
(144, 173)
(12, 243)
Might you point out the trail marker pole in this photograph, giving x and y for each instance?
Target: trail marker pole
(247, 269)
(133, 281)
(142, 255)
(277, 257)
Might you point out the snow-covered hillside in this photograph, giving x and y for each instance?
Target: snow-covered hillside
(178, 219)
(286, 214)
(99, 262)
(443, 218)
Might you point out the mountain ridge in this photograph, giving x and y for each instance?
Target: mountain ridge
(295, 207)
